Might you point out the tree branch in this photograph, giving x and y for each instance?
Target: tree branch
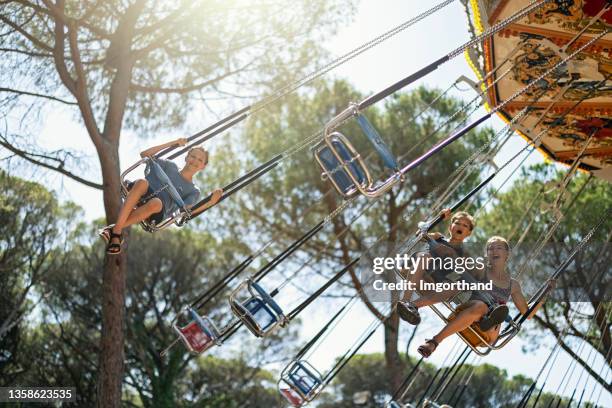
(187, 89)
(82, 93)
(58, 57)
(53, 98)
(60, 168)
(25, 52)
(27, 35)
(573, 354)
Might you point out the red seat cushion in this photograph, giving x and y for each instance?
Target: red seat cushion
(198, 340)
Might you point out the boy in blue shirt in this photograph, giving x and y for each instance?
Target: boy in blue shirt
(161, 205)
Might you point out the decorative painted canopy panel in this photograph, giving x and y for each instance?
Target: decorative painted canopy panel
(572, 108)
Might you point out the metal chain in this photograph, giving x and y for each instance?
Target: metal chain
(346, 57)
(499, 26)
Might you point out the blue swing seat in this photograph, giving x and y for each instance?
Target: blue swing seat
(334, 170)
(300, 383)
(304, 377)
(259, 312)
(339, 153)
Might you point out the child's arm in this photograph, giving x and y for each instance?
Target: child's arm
(445, 214)
(216, 196)
(519, 299)
(156, 149)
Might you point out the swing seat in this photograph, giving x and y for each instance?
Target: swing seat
(257, 310)
(304, 377)
(337, 171)
(302, 380)
(343, 155)
(199, 334)
(474, 335)
(481, 342)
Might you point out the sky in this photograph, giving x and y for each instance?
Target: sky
(376, 69)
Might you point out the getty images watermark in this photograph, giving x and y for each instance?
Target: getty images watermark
(385, 271)
(404, 265)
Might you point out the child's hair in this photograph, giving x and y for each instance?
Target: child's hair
(463, 214)
(497, 239)
(203, 150)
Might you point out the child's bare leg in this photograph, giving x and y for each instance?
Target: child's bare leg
(138, 190)
(417, 276)
(463, 320)
(143, 212)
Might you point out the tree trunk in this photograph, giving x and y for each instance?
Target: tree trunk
(394, 363)
(392, 357)
(111, 357)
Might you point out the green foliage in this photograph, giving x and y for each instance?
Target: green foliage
(31, 226)
(168, 55)
(288, 201)
(167, 271)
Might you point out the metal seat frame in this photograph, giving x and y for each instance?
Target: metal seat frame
(343, 166)
(372, 189)
(205, 324)
(240, 310)
(285, 379)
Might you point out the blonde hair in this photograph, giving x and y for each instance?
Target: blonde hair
(463, 214)
(497, 239)
(200, 148)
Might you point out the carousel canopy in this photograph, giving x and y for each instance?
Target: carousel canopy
(573, 107)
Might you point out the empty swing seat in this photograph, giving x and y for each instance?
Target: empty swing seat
(199, 334)
(336, 171)
(258, 311)
(300, 382)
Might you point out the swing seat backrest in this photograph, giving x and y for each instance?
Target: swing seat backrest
(267, 299)
(205, 324)
(334, 170)
(378, 143)
(305, 378)
(256, 315)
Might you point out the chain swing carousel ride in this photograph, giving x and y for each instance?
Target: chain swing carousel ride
(543, 66)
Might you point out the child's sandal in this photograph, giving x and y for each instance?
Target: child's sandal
(425, 350)
(105, 233)
(114, 248)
